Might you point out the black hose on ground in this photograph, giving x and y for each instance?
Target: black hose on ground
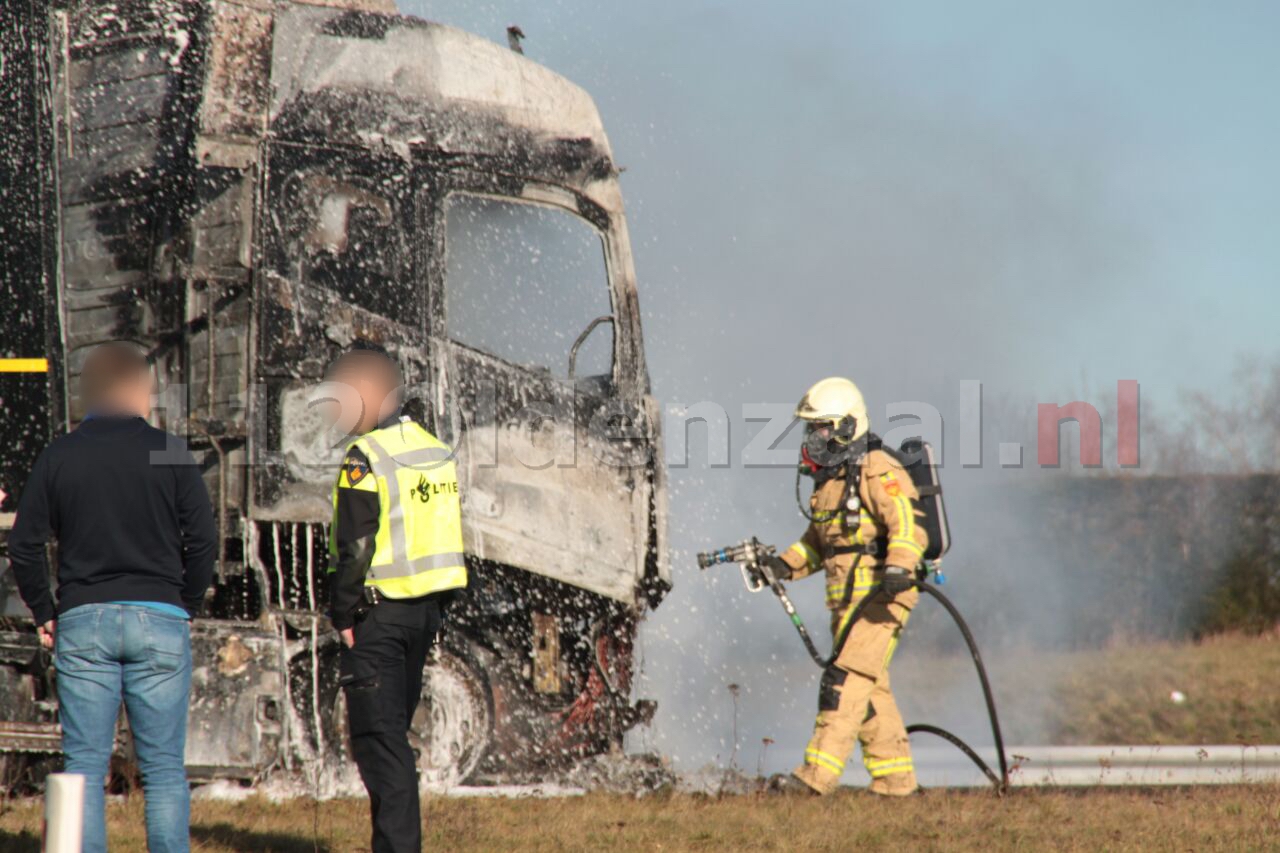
(1001, 781)
(1001, 785)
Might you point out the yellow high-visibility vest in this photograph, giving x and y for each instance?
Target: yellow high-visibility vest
(418, 549)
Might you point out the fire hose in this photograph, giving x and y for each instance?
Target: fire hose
(756, 574)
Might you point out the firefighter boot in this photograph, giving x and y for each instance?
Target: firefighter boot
(788, 785)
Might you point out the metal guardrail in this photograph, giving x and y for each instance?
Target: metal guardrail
(1032, 766)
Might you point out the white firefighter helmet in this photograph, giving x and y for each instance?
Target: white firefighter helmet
(833, 399)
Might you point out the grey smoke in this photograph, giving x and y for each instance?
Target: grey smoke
(912, 199)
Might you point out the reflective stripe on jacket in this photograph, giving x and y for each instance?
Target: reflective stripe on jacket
(886, 517)
(418, 547)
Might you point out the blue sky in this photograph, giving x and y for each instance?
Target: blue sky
(1055, 195)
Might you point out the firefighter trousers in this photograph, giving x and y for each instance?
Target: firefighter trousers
(381, 676)
(855, 703)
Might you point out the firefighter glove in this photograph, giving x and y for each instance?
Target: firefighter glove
(897, 580)
(778, 567)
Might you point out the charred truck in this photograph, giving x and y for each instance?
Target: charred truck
(248, 187)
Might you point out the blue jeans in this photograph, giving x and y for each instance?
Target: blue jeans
(109, 652)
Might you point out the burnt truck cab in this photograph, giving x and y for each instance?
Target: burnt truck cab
(248, 188)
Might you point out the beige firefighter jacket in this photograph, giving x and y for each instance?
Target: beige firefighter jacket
(886, 517)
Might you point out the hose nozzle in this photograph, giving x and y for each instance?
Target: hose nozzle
(707, 559)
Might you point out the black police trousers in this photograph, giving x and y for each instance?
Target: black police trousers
(382, 677)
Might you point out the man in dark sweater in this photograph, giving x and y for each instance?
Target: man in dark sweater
(136, 542)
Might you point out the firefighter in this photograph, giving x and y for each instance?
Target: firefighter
(864, 534)
(396, 557)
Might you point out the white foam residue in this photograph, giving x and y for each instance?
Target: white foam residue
(281, 788)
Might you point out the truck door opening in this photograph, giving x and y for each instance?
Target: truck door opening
(524, 281)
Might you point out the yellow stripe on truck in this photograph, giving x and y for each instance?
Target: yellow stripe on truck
(24, 365)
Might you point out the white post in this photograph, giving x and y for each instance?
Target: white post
(63, 812)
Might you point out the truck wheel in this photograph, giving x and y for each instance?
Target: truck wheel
(450, 732)
(453, 726)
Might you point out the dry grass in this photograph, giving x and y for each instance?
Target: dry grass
(1226, 818)
(1117, 696)
(1122, 695)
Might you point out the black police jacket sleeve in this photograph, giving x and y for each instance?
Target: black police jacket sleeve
(31, 532)
(355, 527)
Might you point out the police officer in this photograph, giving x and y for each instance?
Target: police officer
(396, 554)
(864, 535)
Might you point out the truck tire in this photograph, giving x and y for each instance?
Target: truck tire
(450, 733)
(453, 727)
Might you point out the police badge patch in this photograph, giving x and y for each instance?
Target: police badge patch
(354, 469)
(423, 490)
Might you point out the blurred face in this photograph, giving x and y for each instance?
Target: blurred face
(118, 385)
(136, 395)
(370, 393)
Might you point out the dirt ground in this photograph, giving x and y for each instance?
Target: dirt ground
(1200, 819)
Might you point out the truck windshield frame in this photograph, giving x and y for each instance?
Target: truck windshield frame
(536, 305)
